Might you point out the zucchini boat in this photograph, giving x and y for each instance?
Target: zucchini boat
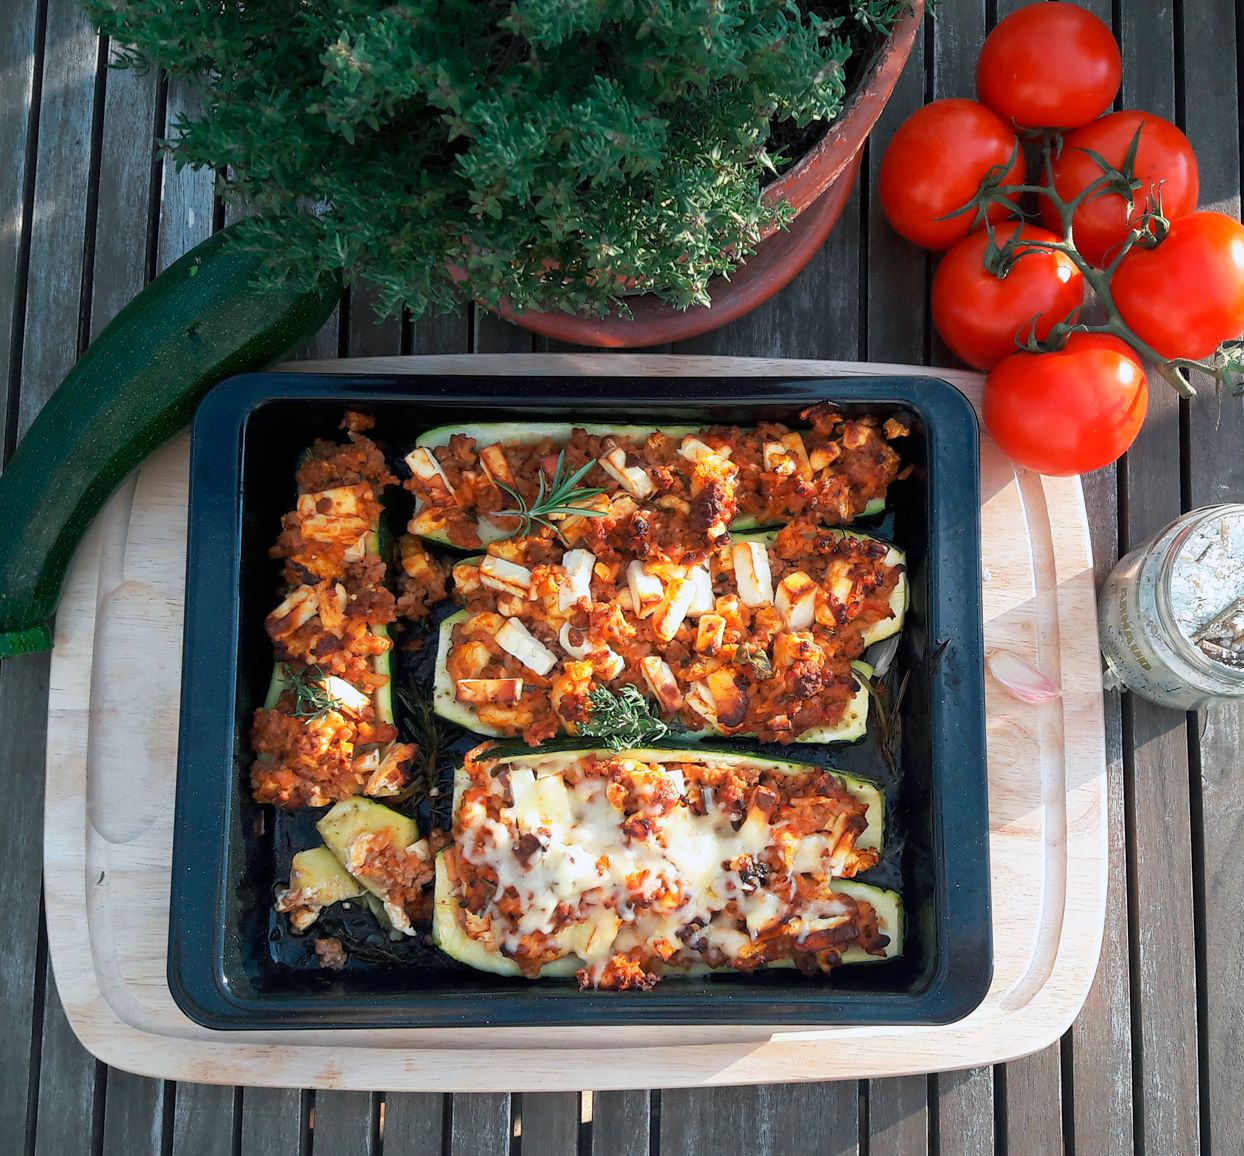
(369, 850)
(850, 728)
(619, 867)
(756, 641)
(326, 730)
(742, 478)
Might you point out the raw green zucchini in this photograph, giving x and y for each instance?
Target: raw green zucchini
(526, 433)
(851, 729)
(202, 320)
(898, 597)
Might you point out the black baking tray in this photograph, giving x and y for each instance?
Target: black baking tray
(232, 963)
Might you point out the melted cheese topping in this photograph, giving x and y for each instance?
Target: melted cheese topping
(686, 865)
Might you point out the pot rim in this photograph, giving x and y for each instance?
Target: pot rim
(808, 178)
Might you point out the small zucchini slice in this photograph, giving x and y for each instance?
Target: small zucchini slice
(523, 433)
(358, 816)
(318, 874)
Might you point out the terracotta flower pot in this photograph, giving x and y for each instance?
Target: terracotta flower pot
(818, 187)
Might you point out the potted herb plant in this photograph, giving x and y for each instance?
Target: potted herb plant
(614, 172)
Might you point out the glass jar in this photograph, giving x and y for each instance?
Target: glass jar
(1147, 602)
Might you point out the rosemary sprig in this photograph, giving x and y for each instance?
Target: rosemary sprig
(623, 719)
(560, 495)
(312, 701)
(887, 699)
(432, 735)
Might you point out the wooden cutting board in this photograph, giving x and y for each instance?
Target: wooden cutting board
(112, 748)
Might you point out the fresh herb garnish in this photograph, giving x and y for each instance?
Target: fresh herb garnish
(432, 736)
(562, 495)
(757, 658)
(887, 698)
(623, 720)
(312, 701)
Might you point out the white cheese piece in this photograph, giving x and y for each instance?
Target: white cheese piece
(300, 607)
(695, 450)
(839, 584)
(700, 699)
(609, 664)
(702, 598)
(566, 638)
(351, 700)
(711, 634)
(496, 465)
(646, 589)
(466, 578)
(508, 577)
(515, 639)
(633, 479)
(751, 573)
(576, 585)
(796, 601)
(809, 853)
(554, 800)
(343, 501)
(761, 910)
(776, 459)
(672, 612)
(661, 682)
(426, 469)
(729, 698)
(793, 444)
(490, 691)
(357, 551)
(526, 803)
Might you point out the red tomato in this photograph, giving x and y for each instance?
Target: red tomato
(1049, 66)
(1164, 157)
(980, 315)
(1068, 412)
(936, 162)
(1185, 297)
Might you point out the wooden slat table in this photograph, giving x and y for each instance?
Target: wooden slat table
(1152, 1064)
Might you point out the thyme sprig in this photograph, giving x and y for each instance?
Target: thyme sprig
(560, 495)
(623, 720)
(312, 700)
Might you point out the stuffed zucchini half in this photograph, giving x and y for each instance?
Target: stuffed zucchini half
(705, 481)
(619, 867)
(369, 850)
(759, 640)
(326, 730)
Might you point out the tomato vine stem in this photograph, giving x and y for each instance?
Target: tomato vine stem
(1149, 230)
